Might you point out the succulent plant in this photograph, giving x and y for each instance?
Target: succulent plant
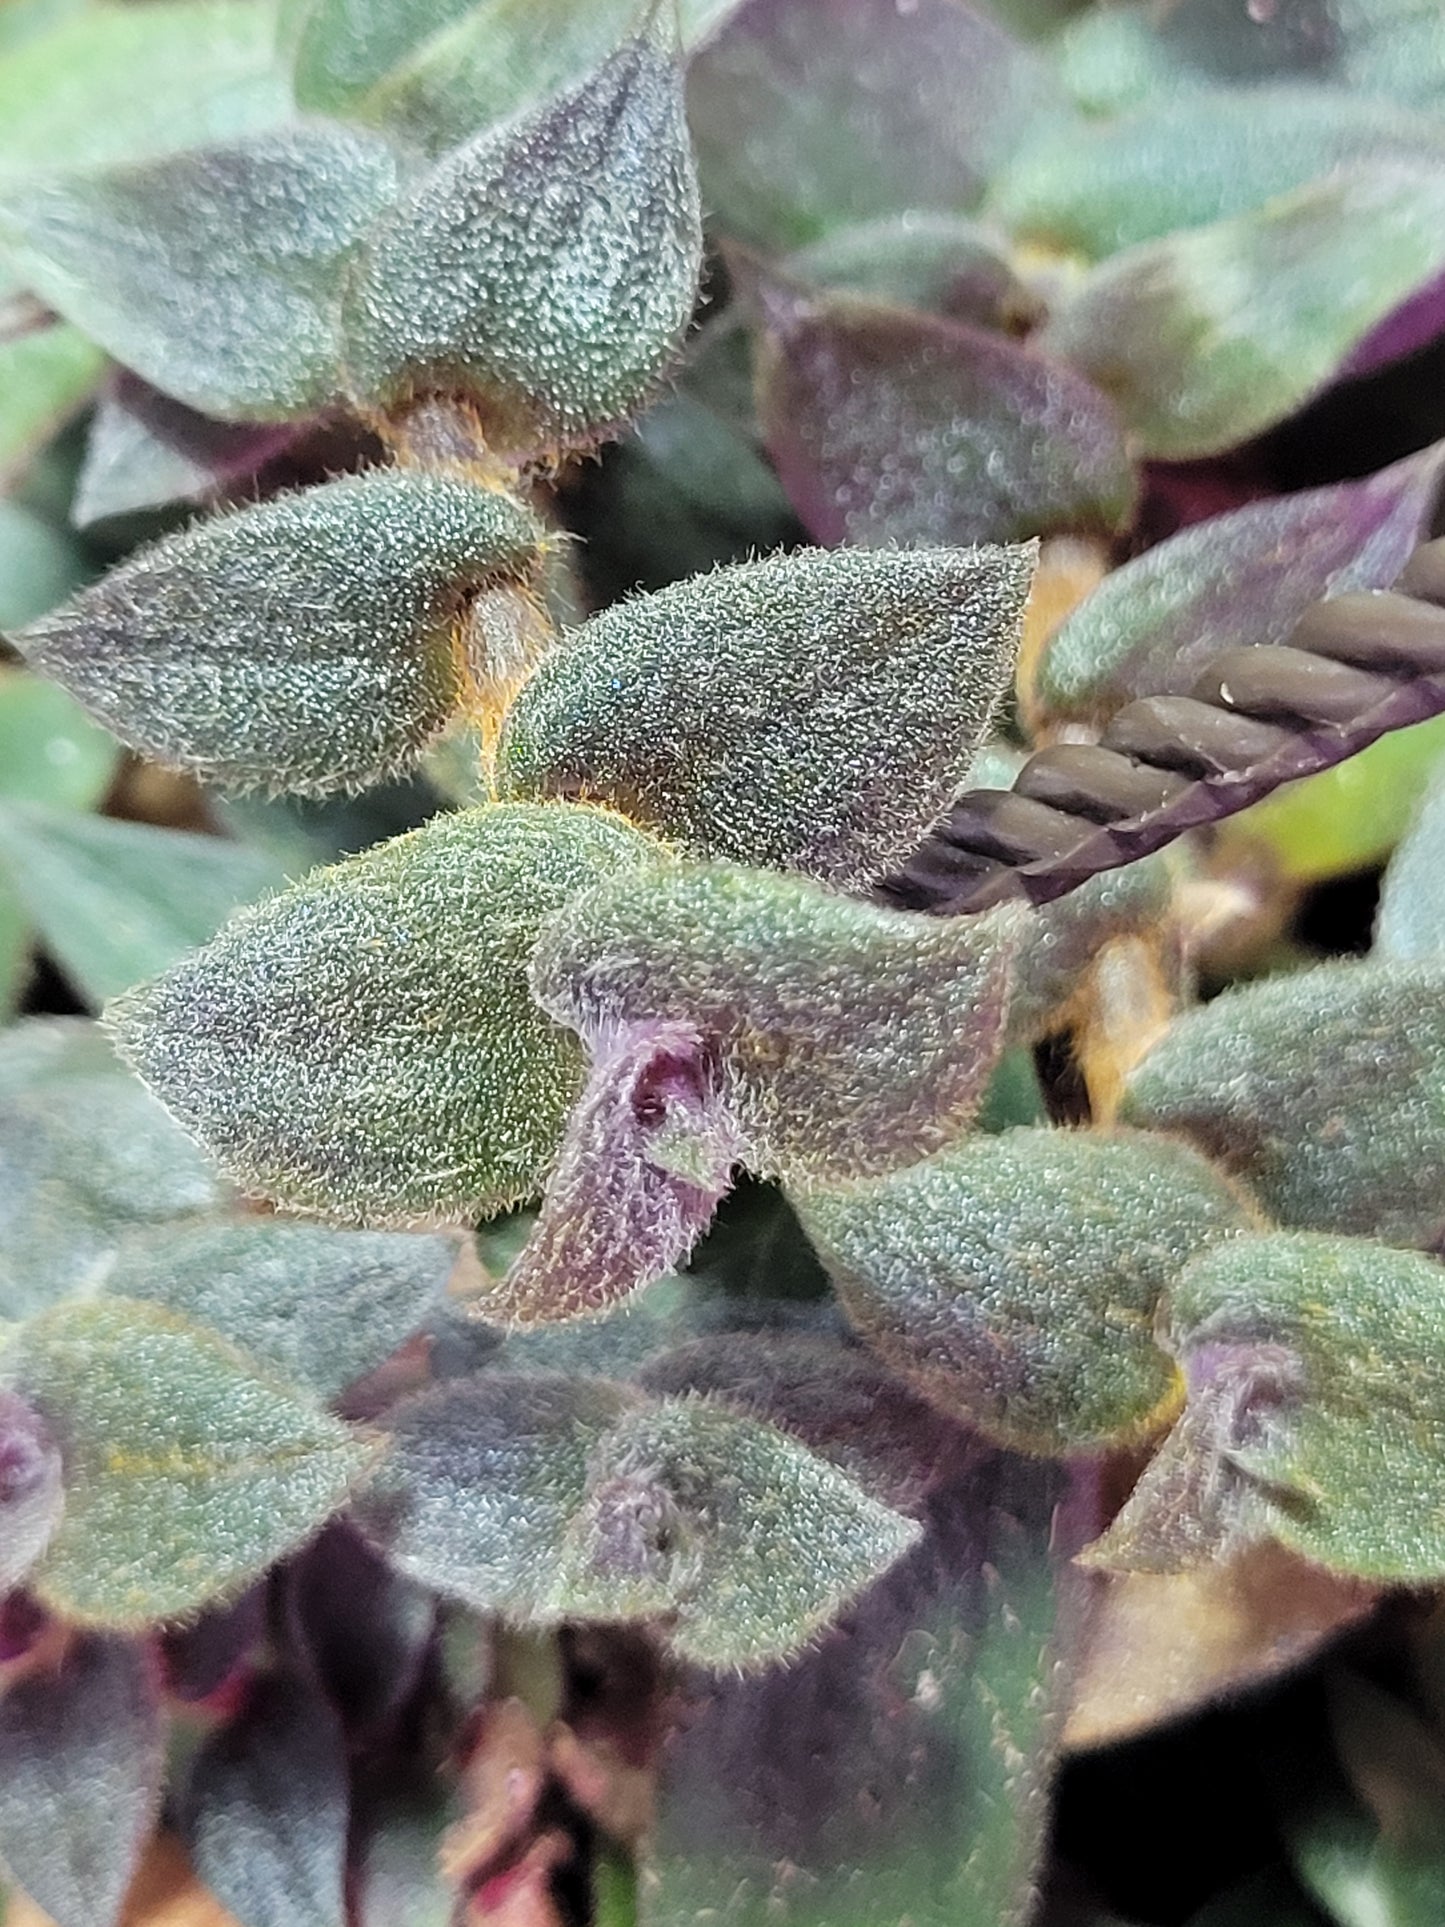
(683, 1185)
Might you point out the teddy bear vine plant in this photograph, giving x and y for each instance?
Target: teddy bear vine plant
(583, 1381)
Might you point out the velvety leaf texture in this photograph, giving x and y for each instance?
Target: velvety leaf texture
(31, 1499)
(1322, 1091)
(1318, 1407)
(549, 267)
(267, 1806)
(955, 1272)
(188, 1468)
(937, 263)
(1175, 163)
(321, 1306)
(546, 1498)
(813, 711)
(309, 643)
(1152, 626)
(1410, 927)
(86, 1156)
(365, 1045)
(113, 901)
(849, 1038)
(809, 114)
(941, 1691)
(215, 274)
(886, 426)
(1209, 336)
(80, 1768)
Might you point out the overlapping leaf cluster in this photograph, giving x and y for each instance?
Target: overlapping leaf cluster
(593, 1229)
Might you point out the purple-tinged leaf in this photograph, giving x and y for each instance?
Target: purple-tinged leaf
(1419, 320)
(548, 268)
(812, 114)
(849, 1038)
(359, 1631)
(144, 450)
(936, 263)
(1207, 337)
(887, 426)
(647, 1154)
(266, 1809)
(208, 1654)
(1315, 1413)
(941, 1694)
(31, 1493)
(80, 1770)
(1247, 577)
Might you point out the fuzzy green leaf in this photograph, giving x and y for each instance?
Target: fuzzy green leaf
(546, 1498)
(80, 1773)
(38, 565)
(86, 93)
(320, 1306)
(1316, 1412)
(31, 1498)
(46, 376)
(813, 711)
(266, 1809)
(86, 1156)
(1410, 926)
(115, 902)
(1208, 337)
(480, 1480)
(934, 263)
(1325, 1092)
(188, 1469)
(549, 267)
(815, 114)
(887, 426)
(953, 1270)
(850, 1038)
(365, 1045)
(308, 643)
(259, 238)
(1175, 163)
(744, 1539)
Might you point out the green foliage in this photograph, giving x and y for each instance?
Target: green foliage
(1322, 1091)
(1316, 1411)
(188, 1468)
(1411, 923)
(1210, 335)
(38, 565)
(312, 643)
(81, 1740)
(548, 1498)
(732, 713)
(364, 1045)
(31, 1499)
(953, 1271)
(850, 1038)
(547, 268)
(46, 376)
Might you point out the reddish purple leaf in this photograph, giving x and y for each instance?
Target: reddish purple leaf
(31, 1494)
(887, 426)
(809, 114)
(899, 1770)
(648, 1154)
(1243, 578)
(80, 1770)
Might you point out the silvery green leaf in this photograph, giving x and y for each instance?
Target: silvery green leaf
(1410, 926)
(216, 274)
(315, 642)
(321, 1306)
(46, 376)
(188, 1467)
(365, 1045)
(80, 1771)
(39, 564)
(814, 711)
(848, 1039)
(954, 1271)
(548, 268)
(1320, 1090)
(31, 1493)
